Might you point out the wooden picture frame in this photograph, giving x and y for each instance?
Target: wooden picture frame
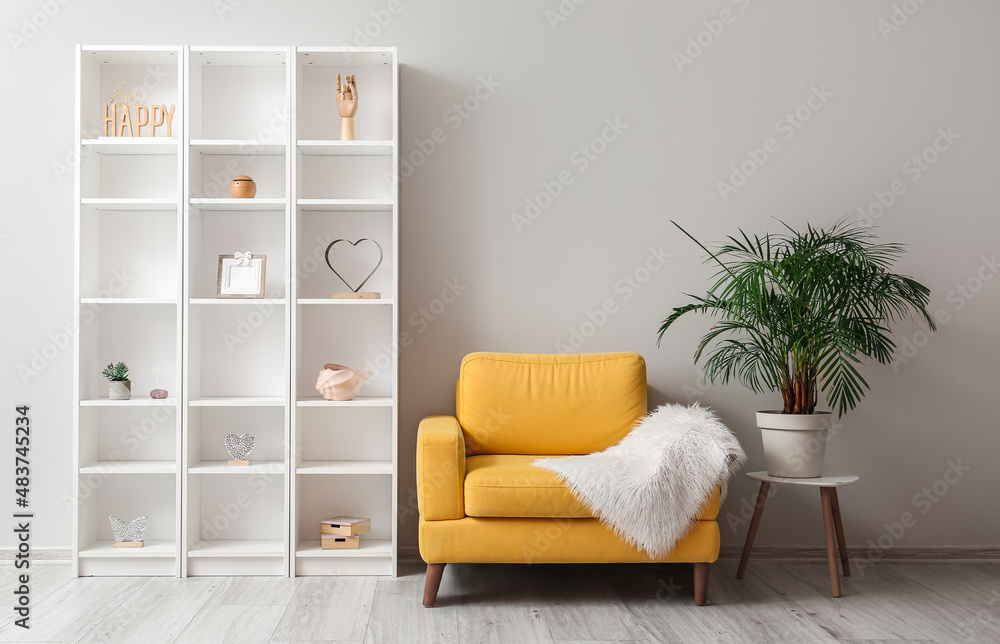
(246, 282)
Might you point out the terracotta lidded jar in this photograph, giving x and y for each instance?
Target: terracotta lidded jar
(243, 187)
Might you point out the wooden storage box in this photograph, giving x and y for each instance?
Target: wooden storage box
(345, 526)
(333, 542)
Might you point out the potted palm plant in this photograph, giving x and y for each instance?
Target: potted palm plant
(800, 312)
(119, 386)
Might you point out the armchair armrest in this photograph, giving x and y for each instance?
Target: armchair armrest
(440, 469)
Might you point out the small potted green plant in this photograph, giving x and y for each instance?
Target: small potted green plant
(800, 312)
(119, 386)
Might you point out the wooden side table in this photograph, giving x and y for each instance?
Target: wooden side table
(827, 484)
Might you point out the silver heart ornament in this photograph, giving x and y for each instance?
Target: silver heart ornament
(239, 447)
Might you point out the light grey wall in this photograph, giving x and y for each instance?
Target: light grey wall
(888, 90)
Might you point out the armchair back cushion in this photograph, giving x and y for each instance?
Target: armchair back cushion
(549, 404)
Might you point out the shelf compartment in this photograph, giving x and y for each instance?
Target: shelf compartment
(130, 176)
(124, 203)
(316, 72)
(238, 548)
(150, 549)
(345, 177)
(115, 301)
(130, 257)
(130, 467)
(238, 401)
(210, 301)
(345, 148)
(212, 167)
(139, 336)
(367, 548)
(236, 355)
(318, 498)
(236, 148)
(153, 559)
(129, 440)
(238, 93)
(128, 495)
(341, 302)
(359, 401)
(314, 233)
(131, 145)
(229, 203)
(345, 204)
(344, 467)
(153, 71)
(231, 229)
(222, 467)
(142, 401)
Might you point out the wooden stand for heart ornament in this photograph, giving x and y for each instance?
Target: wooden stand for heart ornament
(350, 295)
(240, 463)
(127, 544)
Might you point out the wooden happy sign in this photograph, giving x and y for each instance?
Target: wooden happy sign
(154, 116)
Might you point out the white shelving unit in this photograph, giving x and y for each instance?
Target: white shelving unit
(158, 212)
(127, 305)
(344, 453)
(237, 352)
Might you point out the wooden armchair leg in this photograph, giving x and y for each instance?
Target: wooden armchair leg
(701, 584)
(432, 582)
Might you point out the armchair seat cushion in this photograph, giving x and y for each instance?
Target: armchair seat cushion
(501, 485)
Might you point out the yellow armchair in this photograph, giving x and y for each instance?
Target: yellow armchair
(481, 500)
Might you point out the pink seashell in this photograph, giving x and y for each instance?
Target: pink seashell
(337, 382)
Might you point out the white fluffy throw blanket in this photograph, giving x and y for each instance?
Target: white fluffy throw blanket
(652, 486)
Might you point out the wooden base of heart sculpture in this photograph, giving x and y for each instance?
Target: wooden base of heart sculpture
(127, 544)
(235, 462)
(363, 295)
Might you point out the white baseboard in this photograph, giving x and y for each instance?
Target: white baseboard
(7, 555)
(895, 554)
(410, 555)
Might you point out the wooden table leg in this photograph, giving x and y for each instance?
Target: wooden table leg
(838, 524)
(831, 546)
(758, 510)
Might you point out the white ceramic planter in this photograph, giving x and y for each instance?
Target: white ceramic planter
(119, 389)
(794, 444)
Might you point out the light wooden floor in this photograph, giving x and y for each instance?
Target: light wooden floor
(775, 603)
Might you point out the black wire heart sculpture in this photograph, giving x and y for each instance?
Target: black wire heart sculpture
(354, 243)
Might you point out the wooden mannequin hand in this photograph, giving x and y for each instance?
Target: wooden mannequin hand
(347, 97)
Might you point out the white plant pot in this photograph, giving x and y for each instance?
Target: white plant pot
(794, 444)
(119, 389)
